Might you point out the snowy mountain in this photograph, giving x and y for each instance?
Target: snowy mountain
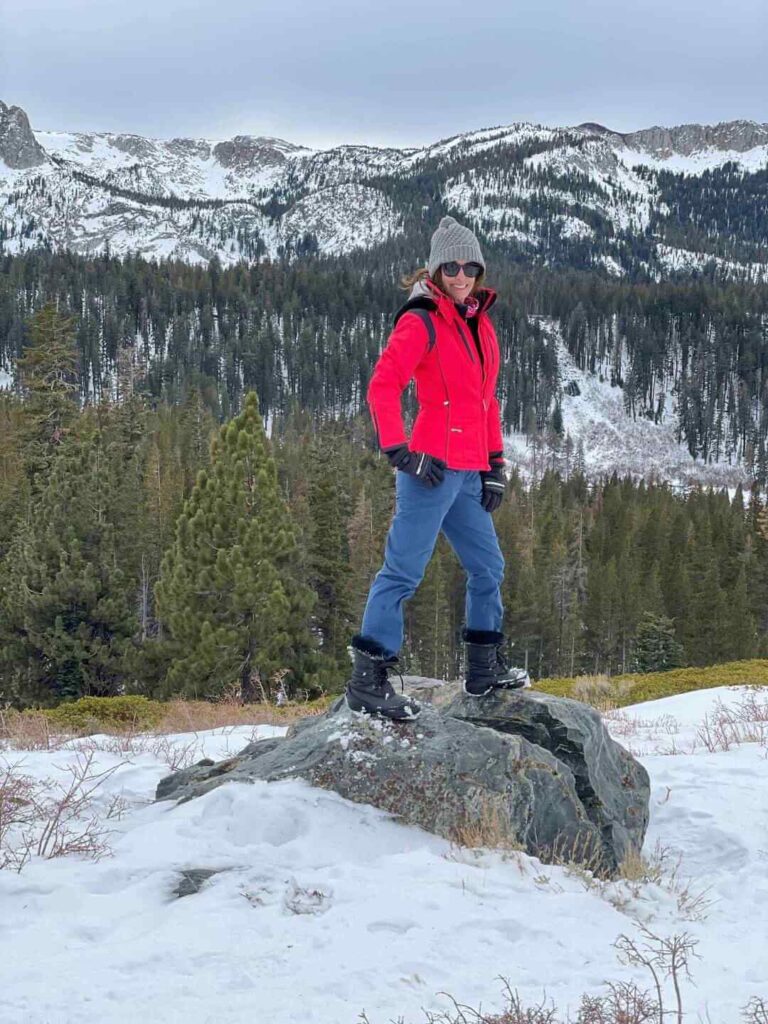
(583, 196)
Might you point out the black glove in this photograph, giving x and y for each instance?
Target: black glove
(494, 482)
(427, 468)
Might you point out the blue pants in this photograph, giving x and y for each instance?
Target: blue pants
(420, 513)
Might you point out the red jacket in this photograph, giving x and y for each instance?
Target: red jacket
(458, 419)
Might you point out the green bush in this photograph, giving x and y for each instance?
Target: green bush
(654, 685)
(108, 714)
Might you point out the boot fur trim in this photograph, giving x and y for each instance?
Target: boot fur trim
(365, 645)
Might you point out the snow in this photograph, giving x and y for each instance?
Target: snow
(612, 440)
(343, 218)
(321, 908)
(676, 259)
(706, 159)
(487, 138)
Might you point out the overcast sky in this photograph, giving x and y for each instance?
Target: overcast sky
(379, 71)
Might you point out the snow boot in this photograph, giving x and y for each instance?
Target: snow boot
(486, 666)
(370, 691)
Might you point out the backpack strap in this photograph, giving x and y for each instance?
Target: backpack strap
(426, 318)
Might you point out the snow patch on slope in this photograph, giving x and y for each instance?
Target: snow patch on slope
(342, 218)
(612, 440)
(695, 163)
(674, 259)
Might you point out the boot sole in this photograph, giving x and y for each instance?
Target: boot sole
(363, 712)
(485, 693)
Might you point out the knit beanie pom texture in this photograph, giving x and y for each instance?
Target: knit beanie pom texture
(452, 241)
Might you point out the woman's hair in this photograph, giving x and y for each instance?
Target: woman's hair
(409, 280)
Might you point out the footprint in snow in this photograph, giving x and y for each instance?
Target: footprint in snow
(396, 927)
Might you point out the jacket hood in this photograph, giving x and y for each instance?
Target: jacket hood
(426, 295)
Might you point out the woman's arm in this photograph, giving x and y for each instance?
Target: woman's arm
(405, 348)
(495, 441)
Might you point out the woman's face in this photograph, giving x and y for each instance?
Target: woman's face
(460, 286)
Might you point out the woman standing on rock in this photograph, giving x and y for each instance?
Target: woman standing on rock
(450, 475)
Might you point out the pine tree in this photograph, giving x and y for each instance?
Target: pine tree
(235, 612)
(328, 554)
(656, 646)
(47, 374)
(66, 617)
(14, 485)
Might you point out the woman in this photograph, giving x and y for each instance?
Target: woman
(450, 476)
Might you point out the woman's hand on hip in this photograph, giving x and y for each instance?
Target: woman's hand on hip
(427, 468)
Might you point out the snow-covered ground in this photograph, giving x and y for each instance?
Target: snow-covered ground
(323, 909)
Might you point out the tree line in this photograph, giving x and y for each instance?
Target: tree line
(145, 546)
(307, 332)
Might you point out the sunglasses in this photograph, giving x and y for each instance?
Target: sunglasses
(452, 269)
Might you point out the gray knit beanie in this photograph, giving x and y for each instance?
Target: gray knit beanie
(452, 241)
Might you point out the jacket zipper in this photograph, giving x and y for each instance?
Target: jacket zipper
(463, 337)
(446, 405)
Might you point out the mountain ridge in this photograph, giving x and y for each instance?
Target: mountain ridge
(582, 195)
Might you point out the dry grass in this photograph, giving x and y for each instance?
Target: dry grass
(635, 688)
(489, 828)
(29, 731)
(199, 715)
(600, 691)
(625, 889)
(42, 730)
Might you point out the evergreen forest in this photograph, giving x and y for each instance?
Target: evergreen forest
(192, 503)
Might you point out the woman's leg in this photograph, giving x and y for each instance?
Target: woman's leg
(472, 535)
(419, 513)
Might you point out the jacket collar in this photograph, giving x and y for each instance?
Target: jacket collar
(426, 295)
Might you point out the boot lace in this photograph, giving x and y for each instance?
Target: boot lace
(383, 675)
(502, 658)
(398, 673)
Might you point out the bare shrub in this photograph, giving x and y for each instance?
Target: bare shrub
(756, 1011)
(514, 1012)
(51, 819)
(17, 812)
(176, 756)
(625, 1003)
(732, 725)
(622, 724)
(667, 958)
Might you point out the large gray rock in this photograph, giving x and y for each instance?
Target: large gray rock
(248, 152)
(454, 777)
(612, 785)
(19, 148)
